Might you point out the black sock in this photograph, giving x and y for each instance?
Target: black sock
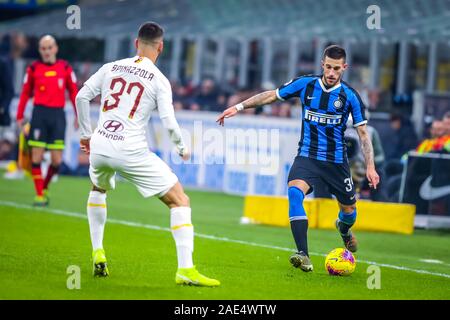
(299, 230)
(344, 228)
(346, 221)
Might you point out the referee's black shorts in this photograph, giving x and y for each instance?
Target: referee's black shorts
(48, 127)
(336, 176)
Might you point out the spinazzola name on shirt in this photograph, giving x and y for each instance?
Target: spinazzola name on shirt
(145, 74)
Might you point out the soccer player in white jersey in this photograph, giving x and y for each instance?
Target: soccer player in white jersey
(130, 90)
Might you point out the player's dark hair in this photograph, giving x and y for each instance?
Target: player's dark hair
(150, 31)
(334, 52)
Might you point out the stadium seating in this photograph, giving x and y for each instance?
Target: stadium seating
(407, 20)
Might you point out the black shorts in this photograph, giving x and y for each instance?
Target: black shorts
(336, 176)
(48, 127)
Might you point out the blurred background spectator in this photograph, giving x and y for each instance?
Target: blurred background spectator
(404, 137)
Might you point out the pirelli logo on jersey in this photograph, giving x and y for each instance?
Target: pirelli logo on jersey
(323, 118)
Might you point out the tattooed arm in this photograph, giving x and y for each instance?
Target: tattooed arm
(260, 99)
(367, 149)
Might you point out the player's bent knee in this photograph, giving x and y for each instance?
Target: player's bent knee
(94, 188)
(300, 184)
(348, 208)
(37, 156)
(176, 197)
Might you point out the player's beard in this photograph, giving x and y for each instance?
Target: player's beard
(336, 81)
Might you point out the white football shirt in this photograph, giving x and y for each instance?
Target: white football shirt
(130, 90)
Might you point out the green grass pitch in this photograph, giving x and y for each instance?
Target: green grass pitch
(251, 261)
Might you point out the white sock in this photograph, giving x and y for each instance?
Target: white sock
(96, 211)
(183, 233)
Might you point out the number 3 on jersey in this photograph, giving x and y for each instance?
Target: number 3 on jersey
(120, 83)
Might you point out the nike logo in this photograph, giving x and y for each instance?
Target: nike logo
(310, 98)
(427, 192)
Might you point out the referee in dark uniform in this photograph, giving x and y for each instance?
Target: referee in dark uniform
(327, 103)
(47, 81)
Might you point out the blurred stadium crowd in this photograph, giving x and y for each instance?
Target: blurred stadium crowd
(394, 133)
(16, 50)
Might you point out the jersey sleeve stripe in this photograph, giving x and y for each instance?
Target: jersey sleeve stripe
(294, 87)
(360, 123)
(277, 92)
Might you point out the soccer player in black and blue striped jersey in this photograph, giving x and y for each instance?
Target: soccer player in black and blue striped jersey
(327, 103)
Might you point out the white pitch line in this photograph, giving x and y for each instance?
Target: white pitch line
(207, 236)
(432, 261)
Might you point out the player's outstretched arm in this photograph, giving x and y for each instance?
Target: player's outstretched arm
(367, 149)
(260, 99)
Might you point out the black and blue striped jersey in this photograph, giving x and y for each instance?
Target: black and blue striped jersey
(324, 117)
